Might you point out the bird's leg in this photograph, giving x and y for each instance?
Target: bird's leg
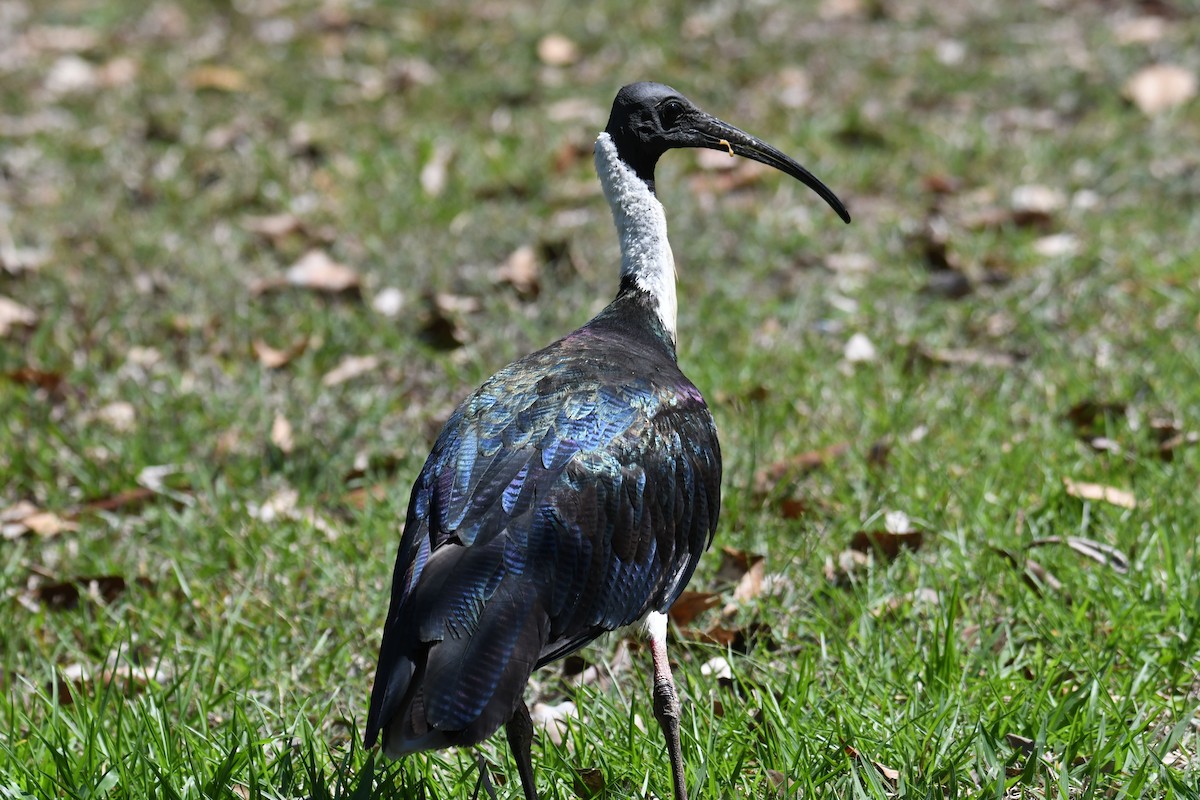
(520, 739)
(666, 700)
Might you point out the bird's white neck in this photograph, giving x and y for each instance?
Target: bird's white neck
(646, 255)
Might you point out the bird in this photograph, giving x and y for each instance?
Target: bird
(573, 493)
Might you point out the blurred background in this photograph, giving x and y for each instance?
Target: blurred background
(253, 253)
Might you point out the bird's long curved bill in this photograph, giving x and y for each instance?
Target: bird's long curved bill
(720, 135)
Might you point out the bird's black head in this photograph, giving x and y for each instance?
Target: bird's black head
(648, 119)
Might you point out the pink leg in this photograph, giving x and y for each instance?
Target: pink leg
(666, 699)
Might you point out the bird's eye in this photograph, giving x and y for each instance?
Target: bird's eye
(670, 113)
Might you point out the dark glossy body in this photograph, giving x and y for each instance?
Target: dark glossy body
(570, 495)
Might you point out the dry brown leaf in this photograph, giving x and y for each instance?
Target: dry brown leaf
(271, 358)
(1089, 415)
(521, 271)
(1095, 491)
(275, 228)
(65, 595)
(751, 584)
(217, 78)
(793, 467)
(859, 349)
(47, 524)
(348, 368)
(1099, 552)
(589, 782)
(24, 517)
(1021, 743)
(71, 74)
(690, 605)
(552, 720)
(120, 416)
(887, 543)
(443, 327)
(61, 38)
(556, 50)
(31, 376)
(14, 315)
(389, 302)
(281, 434)
(1161, 87)
(1139, 30)
(434, 172)
(360, 496)
(1036, 205)
(127, 500)
(127, 678)
(317, 271)
(966, 357)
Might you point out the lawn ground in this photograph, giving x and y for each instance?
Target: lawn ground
(252, 253)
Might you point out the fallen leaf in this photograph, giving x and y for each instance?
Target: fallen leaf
(552, 720)
(859, 349)
(1161, 87)
(1167, 448)
(155, 476)
(317, 271)
(281, 434)
(1099, 552)
(849, 564)
(127, 678)
(849, 263)
(120, 416)
(124, 500)
(71, 74)
(271, 358)
(690, 605)
(433, 173)
(275, 228)
(361, 496)
(1020, 743)
(887, 543)
(1089, 416)
(14, 315)
(751, 584)
(889, 774)
(348, 368)
(61, 38)
(15, 260)
(1036, 576)
(218, 78)
(718, 668)
(1096, 491)
(389, 302)
(47, 524)
(1036, 205)
(556, 50)
(120, 71)
(443, 327)
(30, 376)
(964, 357)
(1058, 245)
(950, 284)
(1138, 30)
(65, 595)
(520, 271)
(792, 467)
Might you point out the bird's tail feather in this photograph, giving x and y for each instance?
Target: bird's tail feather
(462, 688)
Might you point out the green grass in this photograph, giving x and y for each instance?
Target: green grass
(237, 659)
